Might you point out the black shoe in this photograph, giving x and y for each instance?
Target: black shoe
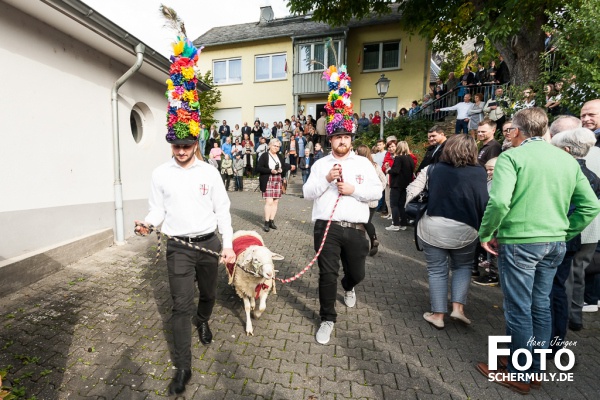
(475, 272)
(575, 327)
(272, 224)
(266, 227)
(374, 247)
(177, 385)
(487, 280)
(205, 333)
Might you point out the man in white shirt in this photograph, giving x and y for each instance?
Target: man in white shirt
(189, 199)
(462, 116)
(353, 179)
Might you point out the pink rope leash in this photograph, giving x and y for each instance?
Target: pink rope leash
(312, 262)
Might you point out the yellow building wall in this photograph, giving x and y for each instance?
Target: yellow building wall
(406, 83)
(249, 94)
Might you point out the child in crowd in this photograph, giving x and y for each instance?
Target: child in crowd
(238, 172)
(490, 264)
(227, 170)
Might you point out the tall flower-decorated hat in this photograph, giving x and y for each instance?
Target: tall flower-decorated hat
(183, 110)
(339, 105)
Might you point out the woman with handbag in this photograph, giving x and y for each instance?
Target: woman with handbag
(401, 174)
(272, 169)
(457, 187)
(227, 170)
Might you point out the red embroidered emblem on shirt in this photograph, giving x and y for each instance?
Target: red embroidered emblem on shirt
(359, 179)
(204, 189)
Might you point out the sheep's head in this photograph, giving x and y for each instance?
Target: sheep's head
(259, 260)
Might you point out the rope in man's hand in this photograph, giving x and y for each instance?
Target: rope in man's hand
(143, 229)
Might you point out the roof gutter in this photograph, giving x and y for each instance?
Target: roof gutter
(114, 100)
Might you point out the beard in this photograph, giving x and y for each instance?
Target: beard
(341, 150)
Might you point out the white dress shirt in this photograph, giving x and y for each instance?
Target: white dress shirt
(190, 201)
(461, 109)
(354, 208)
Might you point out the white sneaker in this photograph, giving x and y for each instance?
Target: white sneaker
(402, 227)
(394, 228)
(389, 216)
(589, 307)
(324, 332)
(350, 298)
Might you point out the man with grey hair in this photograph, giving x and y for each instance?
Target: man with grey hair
(534, 185)
(590, 118)
(564, 123)
(568, 285)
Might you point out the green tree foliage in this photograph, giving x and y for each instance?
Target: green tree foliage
(577, 38)
(514, 27)
(452, 63)
(208, 100)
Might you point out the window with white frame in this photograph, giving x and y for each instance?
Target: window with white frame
(381, 56)
(270, 67)
(227, 71)
(317, 56)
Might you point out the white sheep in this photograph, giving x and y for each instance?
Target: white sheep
(253, 274)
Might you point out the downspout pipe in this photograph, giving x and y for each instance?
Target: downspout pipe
(114, 101)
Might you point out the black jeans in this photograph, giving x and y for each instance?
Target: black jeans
(351, 247)
(397, 200)
(183, 264)
(558, 300)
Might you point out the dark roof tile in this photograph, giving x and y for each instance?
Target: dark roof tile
(292, 27)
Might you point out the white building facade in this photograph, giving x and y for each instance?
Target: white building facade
(59, 61)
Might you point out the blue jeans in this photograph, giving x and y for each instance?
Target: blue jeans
(305, 174)
(526, 275)
(438, 271)
(461, 126)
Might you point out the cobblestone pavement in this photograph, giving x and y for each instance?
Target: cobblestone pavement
(99, 329)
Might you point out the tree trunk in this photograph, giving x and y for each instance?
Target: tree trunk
(522, 53)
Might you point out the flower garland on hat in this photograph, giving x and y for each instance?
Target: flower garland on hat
(183, 110)
(339, 105)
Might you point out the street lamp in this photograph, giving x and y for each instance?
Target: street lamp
(383, 84)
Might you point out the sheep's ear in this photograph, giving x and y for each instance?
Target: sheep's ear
(276, 257)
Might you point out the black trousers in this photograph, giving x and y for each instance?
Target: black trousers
(348, 245)
(397, 200)
(183, 264)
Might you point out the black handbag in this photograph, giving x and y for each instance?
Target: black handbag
(417, 206)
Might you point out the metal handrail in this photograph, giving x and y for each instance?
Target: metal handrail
(450, 98)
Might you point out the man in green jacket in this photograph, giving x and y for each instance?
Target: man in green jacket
(535, 185)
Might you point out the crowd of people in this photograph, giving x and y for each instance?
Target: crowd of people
(531, 205)
(524, 210)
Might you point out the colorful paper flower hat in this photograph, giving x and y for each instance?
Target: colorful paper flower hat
(339, 105)
(183, 110)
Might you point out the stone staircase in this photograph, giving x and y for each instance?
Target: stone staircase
(295, 185)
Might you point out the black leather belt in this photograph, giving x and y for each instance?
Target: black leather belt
(195, 239)
(344, 224)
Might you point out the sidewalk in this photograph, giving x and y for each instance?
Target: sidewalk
(99, 330)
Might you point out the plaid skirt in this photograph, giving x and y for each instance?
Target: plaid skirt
(273, 188)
